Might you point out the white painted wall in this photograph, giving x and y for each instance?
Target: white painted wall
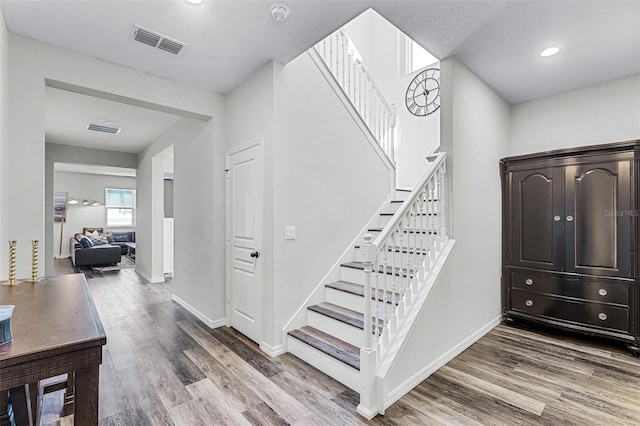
(4, 142)
(321, 175)
(466, 302)
(602, 113)
(150, 196)
(377, 41)
(199, 268)
(327, 179)
(89, 186)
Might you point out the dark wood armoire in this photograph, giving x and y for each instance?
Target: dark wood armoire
(570, 232)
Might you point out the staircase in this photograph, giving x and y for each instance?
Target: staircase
(334, 335)
(353, 327)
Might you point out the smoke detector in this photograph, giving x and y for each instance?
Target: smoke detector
(279, 11)
(157, 40)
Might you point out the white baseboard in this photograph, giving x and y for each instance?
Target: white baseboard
(367, 414)
(149, 279)
(202, 317)
(272, 351)
(62, 256)
(439, 362)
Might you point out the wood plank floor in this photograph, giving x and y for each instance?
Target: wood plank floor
(163, 366)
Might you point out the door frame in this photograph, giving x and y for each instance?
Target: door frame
(259, 142)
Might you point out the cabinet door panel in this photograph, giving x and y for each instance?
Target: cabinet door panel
(599, 234)
(536, 199)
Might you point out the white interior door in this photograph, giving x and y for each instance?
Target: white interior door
(244, 191)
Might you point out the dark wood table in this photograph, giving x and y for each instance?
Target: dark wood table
(56, 330)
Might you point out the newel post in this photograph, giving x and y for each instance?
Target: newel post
(368, 404)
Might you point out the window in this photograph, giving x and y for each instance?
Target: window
(415, 57)
(120, 204)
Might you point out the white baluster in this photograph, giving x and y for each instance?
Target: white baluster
(443, 205)
(385, 297)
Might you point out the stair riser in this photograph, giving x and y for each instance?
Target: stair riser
(396, 259)
(358, 276)
(356, 303)
(432, 207)
(353, 275)
(341, 372)
(339, 329)
(421, 221)
(401, 195)
(391, 256)
(344, 299)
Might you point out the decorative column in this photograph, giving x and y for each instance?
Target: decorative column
(12, 264)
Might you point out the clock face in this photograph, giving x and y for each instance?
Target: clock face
(423, 93)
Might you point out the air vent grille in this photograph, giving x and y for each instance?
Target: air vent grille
(103, 129)
(147, 37)
(157, 40)
(170, 46)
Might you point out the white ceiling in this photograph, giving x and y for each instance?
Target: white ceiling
(230, 39)
(67, 115)
(94, 170)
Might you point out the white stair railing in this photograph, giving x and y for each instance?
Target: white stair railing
(407, 247)
(341, 58)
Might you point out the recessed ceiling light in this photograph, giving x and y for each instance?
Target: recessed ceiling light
(279, 11)
(549, 51)
(195, 1)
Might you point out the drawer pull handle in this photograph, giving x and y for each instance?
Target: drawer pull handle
(602, 292)
(528, 281)
(529, 302)
(602, 316)
(556, 218)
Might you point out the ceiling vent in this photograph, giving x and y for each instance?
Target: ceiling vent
(103, 129)
(157, 40)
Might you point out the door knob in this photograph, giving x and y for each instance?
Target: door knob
(255, 254)
(556, 218)
(569, 218)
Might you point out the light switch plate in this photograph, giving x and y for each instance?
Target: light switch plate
(289, 232)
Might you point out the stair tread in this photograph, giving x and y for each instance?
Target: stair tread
(410, 250)
(332, 346)
(390, 270)
(402, 201)
(358, 290)
(408, 230)
(419, 214)
(342, 314)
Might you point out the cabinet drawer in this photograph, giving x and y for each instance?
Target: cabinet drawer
(591, 314)
(597, 291)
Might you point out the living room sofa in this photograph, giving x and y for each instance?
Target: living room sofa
(102, 254)
(122, 238)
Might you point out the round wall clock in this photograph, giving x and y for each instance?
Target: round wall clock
(423, 93)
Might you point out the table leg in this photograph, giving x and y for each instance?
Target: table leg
(35, 398)
(67, 407)
(4, 409)
(20, 405)
(85, 407)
